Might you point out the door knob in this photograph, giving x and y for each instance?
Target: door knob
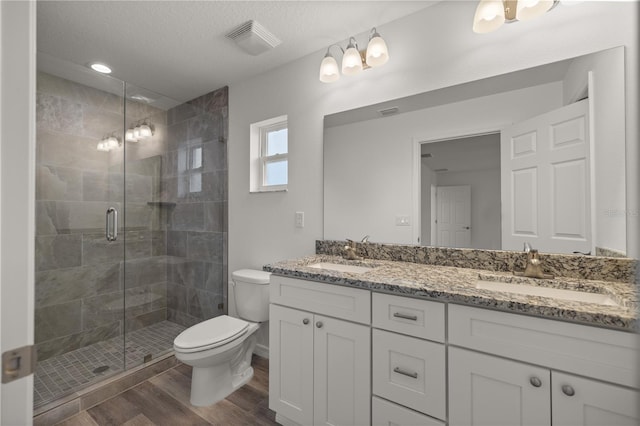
(305, 321)
(535, 382)
(319, 324)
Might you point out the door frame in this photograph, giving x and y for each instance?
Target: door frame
(17, 200)
(416, 187)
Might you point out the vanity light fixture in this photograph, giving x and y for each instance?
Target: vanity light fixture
(354, 60)
(491, 14)
(108, 143)
(138, 132)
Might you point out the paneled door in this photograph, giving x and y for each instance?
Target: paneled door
(546, 181)
(453, 216)
(485, 390)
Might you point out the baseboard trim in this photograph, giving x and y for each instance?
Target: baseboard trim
(261, 350)
(284, 421)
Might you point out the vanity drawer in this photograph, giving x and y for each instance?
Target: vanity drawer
(385, 413)
(603, 354)
(336, 301)
(415, 317)
(409, 371)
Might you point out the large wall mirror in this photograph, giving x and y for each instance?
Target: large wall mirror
(535, 155)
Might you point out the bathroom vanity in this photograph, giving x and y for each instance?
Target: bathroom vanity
(387, 342)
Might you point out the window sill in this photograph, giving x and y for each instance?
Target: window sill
(259, 191)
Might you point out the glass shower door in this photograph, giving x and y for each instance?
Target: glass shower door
(80, 245)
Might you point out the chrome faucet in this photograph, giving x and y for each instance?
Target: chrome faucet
(534, 264)
(365, 239)
(351, 250)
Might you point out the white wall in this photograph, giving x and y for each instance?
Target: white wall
(606, 96)
(364, 197)
(431, 49)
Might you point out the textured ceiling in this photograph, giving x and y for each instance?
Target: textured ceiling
(178, 48)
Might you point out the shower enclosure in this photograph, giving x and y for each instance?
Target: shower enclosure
(131, 201)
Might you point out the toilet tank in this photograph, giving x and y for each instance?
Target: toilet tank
(251, 293)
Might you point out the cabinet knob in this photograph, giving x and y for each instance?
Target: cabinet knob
(568, 390)
(535, 382)
(319, 324)
(305, 321)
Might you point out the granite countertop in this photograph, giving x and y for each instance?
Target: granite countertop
(458, 285)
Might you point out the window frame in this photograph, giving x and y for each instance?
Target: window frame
(266, 159)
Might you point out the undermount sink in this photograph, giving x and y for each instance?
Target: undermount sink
(556, 293)
(340, 267)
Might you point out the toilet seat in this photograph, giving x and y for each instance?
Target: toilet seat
(210, 334)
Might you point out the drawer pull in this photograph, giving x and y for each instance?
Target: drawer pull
(405, 316)
(305, 321)
(535, 382)
(405, 373)
(568, 390)
(319, 324)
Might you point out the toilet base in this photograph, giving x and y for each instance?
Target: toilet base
(209, 386)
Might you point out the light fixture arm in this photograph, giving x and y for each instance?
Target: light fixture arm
(352, 43)
(333, 45)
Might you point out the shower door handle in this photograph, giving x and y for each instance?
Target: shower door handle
(111, 227)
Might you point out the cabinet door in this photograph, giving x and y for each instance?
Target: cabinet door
(491, 391)
(580, 401)
(291, 363)
(342, 368)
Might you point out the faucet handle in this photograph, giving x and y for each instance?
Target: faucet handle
(365, 239)
(527, 247)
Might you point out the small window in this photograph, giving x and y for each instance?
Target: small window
(269, 155)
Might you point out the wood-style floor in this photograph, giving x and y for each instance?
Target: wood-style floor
(164, 400)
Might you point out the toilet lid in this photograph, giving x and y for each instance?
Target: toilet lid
(211, 333)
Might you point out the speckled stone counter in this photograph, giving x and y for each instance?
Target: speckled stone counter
(458, 285)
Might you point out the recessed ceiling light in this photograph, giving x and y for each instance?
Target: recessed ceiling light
(101, 68)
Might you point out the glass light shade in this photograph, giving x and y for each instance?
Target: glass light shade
(145, 131)
(128, 136)
(489, 16)
(136, 133)
(351, 61)
(329, 71)
(377, 52)
(112, 142)
(529, 9)
(102, 146)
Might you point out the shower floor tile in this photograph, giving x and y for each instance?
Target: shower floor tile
(63, 374)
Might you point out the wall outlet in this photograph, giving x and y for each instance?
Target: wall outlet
(299, 219)
(403, 221)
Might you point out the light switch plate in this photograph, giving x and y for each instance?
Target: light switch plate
(299, 219)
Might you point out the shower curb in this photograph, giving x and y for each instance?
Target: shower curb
(58, 411)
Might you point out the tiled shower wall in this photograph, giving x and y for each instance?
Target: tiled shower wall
(195, 183)
(174, 225)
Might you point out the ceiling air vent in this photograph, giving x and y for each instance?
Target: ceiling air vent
(253, 38)
(388, 111)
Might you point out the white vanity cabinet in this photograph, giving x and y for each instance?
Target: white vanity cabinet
(409, 371)
(319, 369)
(489, 389)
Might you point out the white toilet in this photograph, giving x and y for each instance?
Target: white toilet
(220, 349)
